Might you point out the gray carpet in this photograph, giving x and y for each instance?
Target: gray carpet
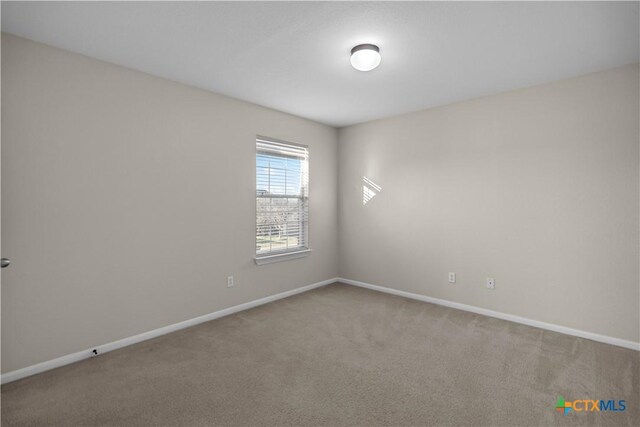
(338, 355)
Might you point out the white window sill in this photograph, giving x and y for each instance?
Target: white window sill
(268, 259)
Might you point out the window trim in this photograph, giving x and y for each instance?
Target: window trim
(284, 256)
(299, 252)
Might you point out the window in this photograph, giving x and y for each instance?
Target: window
(282, 200)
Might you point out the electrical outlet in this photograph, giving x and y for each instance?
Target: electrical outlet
(491, 283)
(452, 277)
(230, 282)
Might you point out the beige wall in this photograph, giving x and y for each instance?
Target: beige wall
(128, 199)
(537, 188)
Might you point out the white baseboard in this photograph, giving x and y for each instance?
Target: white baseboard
(510, 317)
(105, 348)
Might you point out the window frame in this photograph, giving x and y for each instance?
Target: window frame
(298, 251)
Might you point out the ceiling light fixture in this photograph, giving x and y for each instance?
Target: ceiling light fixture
(365, 57)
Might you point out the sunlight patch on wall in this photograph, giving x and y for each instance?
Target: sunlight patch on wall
(369, 190)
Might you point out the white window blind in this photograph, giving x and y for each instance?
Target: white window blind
(282, 197)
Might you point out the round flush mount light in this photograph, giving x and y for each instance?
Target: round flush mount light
(365, 57)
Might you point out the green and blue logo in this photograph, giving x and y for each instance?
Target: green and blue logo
(590, 405)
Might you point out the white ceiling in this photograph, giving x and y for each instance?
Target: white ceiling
(294, 56)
